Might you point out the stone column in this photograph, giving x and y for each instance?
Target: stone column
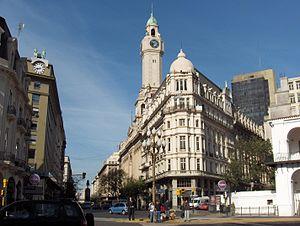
(174, 196)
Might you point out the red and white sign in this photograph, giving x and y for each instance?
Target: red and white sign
(34, 179)
(222, 185)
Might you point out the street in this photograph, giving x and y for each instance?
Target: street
(110, 223)
(104, 218)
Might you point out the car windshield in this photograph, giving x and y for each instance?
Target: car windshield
(71, 210)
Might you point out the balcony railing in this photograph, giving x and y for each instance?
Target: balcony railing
(22, 124)
(11, 112)
(284, 156)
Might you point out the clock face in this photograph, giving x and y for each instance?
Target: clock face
(39, 67)
(154, 43)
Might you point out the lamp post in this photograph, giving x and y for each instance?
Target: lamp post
(152, 144)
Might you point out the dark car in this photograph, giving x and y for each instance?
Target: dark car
(45, 213)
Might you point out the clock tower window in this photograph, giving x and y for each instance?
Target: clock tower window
(153, 32)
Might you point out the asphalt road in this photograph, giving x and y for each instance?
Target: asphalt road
(108, 223)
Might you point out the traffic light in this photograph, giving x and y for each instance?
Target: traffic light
(4, 183)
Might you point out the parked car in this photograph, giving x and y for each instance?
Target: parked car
(120, 207)
(202, 206)
(45, 213)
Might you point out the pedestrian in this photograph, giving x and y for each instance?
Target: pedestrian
(130, 205)
(167, 204)
(186, 209)
(158, 213)
(151, 211)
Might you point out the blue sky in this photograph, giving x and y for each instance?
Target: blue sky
(94, 47)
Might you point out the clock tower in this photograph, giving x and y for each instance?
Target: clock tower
(152, 49)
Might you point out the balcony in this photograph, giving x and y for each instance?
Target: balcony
(11, 112)
(284, 157)
(22, 125)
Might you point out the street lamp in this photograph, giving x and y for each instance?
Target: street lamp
(152, 144)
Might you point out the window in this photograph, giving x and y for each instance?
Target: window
(197, 143)
(35, 112)
(152, 32)
(198, 164)
(182, 164)
(188, 102)
(35, 98)
(169, 164)
(6, 139)
(168, 124)
(169, 144)
(34, 126)
(184, 183)
(197, 123)
(48, 210)
(202, 125)
(203, 145)
(185, 84)
(31, 153)
(181, 84)
(291, 85)
(292, 98)
(298, 84)
(177, 85)
(298, 97)
(182, 142)
(33, 139)
(181, 122)
(37, 85)
(71, 210)
(181, 103)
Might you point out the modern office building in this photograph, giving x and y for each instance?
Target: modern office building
(47, 142)
(196, 119)
(294, 94)
(15, 116)
(252, 93)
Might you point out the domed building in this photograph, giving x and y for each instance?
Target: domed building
(183, 127)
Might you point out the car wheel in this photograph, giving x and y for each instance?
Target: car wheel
(123, 212)
(110, 212)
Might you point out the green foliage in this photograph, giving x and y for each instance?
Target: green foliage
(248, 163)
(133, 188)
(112, 182)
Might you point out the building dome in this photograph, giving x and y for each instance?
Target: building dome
(152, 21)
(181, 64)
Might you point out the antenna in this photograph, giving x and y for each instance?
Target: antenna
(181, 44)
(20, 28)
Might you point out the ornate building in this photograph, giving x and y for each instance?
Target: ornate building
(48, 141)
(196, 117)
(15, 116)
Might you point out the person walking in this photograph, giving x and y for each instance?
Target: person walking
(151, 212)
(158, 213)
(186, 209)
(130, 205)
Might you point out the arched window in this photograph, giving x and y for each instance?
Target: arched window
(142, 109)
(153, 32)
(293, 139)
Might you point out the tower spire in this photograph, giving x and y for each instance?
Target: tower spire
(152, 9)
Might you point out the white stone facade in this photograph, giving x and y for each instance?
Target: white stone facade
(198, 122)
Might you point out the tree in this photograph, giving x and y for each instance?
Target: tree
(247, 164)
(112, 182)
(133, 188)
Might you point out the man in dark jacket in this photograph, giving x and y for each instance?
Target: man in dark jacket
(130, 206)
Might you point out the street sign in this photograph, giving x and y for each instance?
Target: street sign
(34, 179)
(222, 185)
